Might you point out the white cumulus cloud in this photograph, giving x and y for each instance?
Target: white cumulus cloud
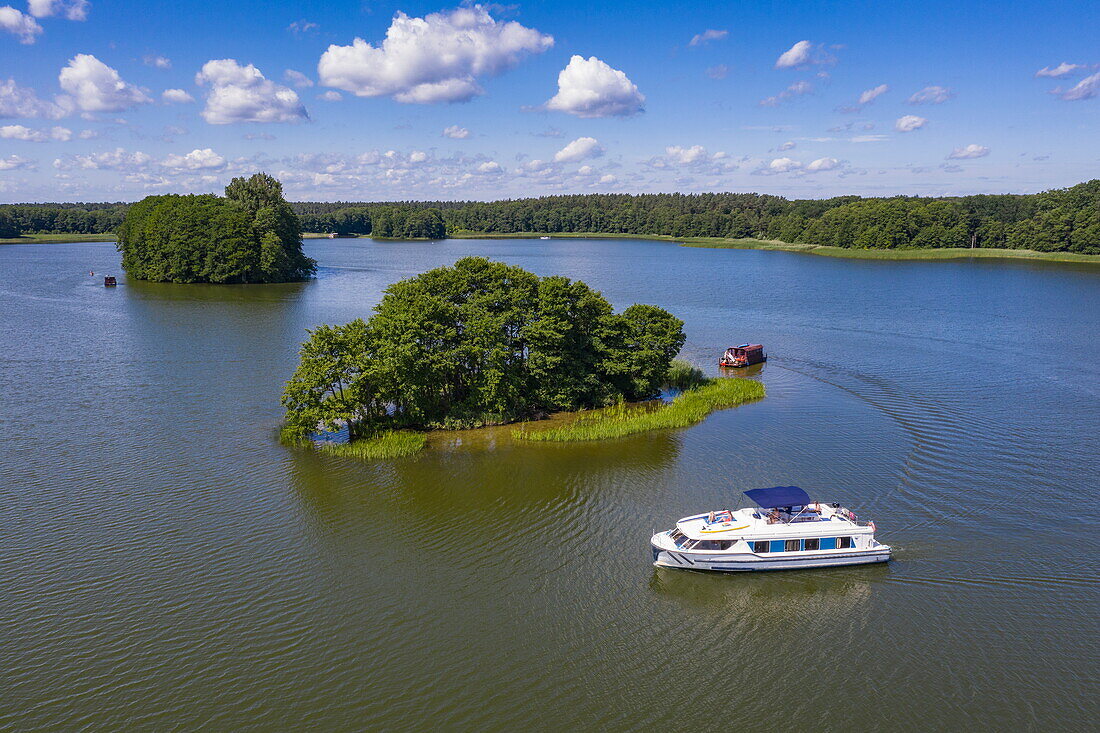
(869, 95)
(796, 55)
(582, 148)
(196, 160)
(931, 95)
(297, 79)
(19, 24)
(694, 157)
(823, 164)
(797, 168)
(1087, 88)
(455, 132)
(26, 134)
(176, 96)
(970, 151)
(784, 165)
(908, 123)
(117, 159)
(70, 9)
(707, 36)
(1062, 69)
(94, 86)
(330, 96)
(15, 162)
(591, 88)
(157, 62)
(794, 90)
(17, 101)
(242, 94)
(686, 156)
(437, 58)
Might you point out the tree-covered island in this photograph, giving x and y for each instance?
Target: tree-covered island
(476, 344)
(252, 235)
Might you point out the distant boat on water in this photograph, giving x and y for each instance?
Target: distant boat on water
(743, 356)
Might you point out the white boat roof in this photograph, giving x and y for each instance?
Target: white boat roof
(815, 520)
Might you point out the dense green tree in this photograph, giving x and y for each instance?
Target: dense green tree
(261, 196)
(477, 343)
(250, 236)
(8, 227)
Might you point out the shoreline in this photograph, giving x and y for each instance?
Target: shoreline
(821, 251)
(59, 238)
(570, 426)
(953, 253)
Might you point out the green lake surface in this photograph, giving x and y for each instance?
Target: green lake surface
(166, 564)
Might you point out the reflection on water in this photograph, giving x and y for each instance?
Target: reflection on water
(167, 564)
(771, 604)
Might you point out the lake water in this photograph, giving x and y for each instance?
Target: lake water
(165, 563)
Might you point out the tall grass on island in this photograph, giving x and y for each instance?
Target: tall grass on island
(620, 420)
(383, 444)
(387, 444)
(683, 375)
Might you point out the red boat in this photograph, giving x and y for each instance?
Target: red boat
(743, 356)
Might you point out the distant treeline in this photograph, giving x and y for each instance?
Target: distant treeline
(1060, 220)
(397, 221)
(61, 218)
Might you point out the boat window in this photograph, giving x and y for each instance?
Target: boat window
(761, 546)
(713, 545)
(828, 543)
(675, 535)
(843, 543)
(814, 543)
(683, 541)
(792, 545)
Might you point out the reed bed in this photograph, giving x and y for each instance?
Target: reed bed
(621, 420)
(387, 444)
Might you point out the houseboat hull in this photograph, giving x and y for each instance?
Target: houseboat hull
(738, 562)
(741, 365)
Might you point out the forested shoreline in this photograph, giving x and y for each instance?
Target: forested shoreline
(1061, 220)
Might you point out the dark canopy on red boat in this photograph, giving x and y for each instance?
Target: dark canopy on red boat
(778, 496)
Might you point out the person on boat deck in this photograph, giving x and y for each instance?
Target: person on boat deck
(773, 516)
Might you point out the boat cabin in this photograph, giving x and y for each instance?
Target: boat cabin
(743, 355)
(786, 529)
(109, 281)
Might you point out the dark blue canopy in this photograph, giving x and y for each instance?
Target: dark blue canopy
(779, 496)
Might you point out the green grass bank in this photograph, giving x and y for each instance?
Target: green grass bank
(65, 238)
(621, 420)
(388, 444)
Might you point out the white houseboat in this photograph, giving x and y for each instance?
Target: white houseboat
(788, 530)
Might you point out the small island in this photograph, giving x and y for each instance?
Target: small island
(486, 343)
(252, 235)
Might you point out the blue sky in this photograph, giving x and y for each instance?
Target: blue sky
(116, 100)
